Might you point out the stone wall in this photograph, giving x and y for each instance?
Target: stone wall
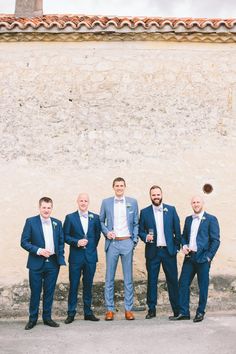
(75, 115)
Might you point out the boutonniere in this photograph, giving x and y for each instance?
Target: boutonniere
(90, 216)
(165, 210)
(128, 205)
(54, 223)
(203, 218)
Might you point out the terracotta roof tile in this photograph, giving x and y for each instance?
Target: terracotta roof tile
(60, 22)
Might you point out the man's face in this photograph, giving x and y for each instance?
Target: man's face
(45, 210)
(156, 196)
(197, 204)
(119, 188)
(83, 202)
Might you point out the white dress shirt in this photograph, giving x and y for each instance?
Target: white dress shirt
(158, 214)
(120, 218)
(84, 221)
(194, 230)
(48, 234)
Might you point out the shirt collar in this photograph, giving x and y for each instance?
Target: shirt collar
(45, 221)
(157, 208)
(198, 216)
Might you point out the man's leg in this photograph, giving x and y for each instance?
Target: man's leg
(35, 282)
(112, 256)
(203, 283)
(153, 269)
(186, 277)
(88, 275)
(169, 264)
(126, 252)
(49, 283)
(74, 278)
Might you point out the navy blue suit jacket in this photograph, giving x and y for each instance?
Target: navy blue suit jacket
(74, 232)
(171, 229)
(32, 239)
(208, 237)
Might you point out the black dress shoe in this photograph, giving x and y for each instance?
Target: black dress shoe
(199, 317)
(69, 319)
(30, 325)
(173, 317)
(150, 314)
(91, 318)
(181, 317)
(50, 323)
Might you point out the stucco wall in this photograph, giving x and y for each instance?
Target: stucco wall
(76, 115)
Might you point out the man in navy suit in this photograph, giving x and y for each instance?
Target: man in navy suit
(200, 240)
(43, 238)
(159, 229)
(82, 231)
(119, 221)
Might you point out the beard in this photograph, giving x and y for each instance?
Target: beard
(157, 202)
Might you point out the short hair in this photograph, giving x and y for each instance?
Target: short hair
(154, 187)
(46, 200)
(118, 179)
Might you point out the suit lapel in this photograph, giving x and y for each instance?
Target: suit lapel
(40, 227)
(112, 202)
(54, 231)
(78, 222)
(152, 219)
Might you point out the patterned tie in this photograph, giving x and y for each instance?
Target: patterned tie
(46, 222)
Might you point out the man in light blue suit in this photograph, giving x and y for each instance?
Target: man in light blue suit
(159, 229)
(82, 231)
(43, 238)
(119, 222)
(200, 240)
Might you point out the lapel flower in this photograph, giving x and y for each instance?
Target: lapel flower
(165, 210)
(54, 223)
(90, 216)
(203, 218)
(128, 205)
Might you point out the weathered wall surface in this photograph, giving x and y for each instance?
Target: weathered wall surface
(75, 115)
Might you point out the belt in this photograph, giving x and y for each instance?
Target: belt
(192, 252)
(161, 246)
(121, 238)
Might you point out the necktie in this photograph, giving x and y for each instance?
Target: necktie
(46, 222)
(158, 208)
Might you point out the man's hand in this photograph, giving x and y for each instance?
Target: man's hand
(111, 235)
(186, 249)
(44, 252)
(149, 238)
(82, 243)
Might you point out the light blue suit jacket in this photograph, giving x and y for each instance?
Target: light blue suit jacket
(107, 218)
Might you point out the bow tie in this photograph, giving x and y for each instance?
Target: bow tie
(195, 216)
(119, 200)
(84, 215)
(160, 208)
(46, 222)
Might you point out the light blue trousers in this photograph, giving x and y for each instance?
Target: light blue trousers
(124, 249)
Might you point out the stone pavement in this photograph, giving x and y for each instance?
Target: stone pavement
(216, 334)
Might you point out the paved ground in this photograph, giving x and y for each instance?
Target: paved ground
(216, 334)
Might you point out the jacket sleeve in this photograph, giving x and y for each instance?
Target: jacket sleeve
(70, 240)
(26, 239)
(103, 219)
(98, 230)
(177, 230)
(214, 237)
(142, 228)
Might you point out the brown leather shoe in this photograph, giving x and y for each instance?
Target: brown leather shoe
(109, 316)
(129, 315)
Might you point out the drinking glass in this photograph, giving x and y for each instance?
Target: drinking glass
(151, 233)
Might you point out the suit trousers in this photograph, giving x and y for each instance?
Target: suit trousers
(75, 271)
(169, 265)
(189, 269)
(124, 250)
(45, 278)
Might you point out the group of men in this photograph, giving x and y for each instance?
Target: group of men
(158, 227)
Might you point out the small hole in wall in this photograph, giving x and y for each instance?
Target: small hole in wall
(207, 188)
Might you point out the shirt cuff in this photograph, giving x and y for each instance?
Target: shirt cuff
(39, 251)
